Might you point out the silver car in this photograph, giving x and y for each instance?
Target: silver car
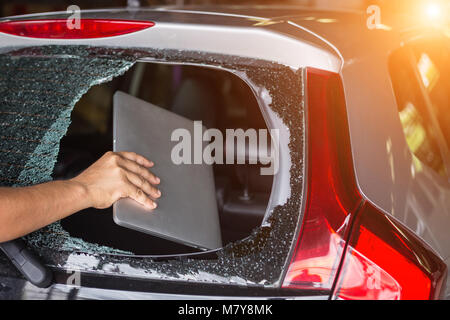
(359, 207)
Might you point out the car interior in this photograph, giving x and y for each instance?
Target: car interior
(219, 99)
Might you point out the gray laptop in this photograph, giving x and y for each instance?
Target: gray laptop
(187, 210)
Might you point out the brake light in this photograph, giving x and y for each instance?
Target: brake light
(346, 245)
(59, 28)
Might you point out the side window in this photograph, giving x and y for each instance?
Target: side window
(433, 64)
(415, 120)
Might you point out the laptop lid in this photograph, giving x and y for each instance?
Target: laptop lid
(187, 209)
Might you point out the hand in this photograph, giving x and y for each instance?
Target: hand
(119, 175)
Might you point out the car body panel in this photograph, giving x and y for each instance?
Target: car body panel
(13, 288)
(384, 166)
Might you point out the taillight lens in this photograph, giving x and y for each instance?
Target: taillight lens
(384, 260)
(332, 195)
(346, 245)
(67, 29)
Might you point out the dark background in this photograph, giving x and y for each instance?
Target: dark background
(9, 8)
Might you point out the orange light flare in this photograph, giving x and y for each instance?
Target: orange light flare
(435, 13)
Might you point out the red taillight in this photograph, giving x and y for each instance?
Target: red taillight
(63, 29)
(383, 259)
(332, 194)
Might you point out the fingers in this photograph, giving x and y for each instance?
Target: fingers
(136, 180)
(136, 158)
(143, 184)
(139, 196)
(132, 166)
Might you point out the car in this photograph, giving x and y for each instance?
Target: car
(359, 207)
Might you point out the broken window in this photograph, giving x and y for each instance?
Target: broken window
(218, 99)
(256, 254)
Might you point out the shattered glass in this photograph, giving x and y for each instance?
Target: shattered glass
(40, 87)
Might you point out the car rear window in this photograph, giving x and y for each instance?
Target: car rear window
(40, 88)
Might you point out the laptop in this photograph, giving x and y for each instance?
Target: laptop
(187, 209)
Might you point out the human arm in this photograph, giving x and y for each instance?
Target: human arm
(112, 177)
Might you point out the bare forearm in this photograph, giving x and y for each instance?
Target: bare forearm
(26, 209)
(113, 176)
